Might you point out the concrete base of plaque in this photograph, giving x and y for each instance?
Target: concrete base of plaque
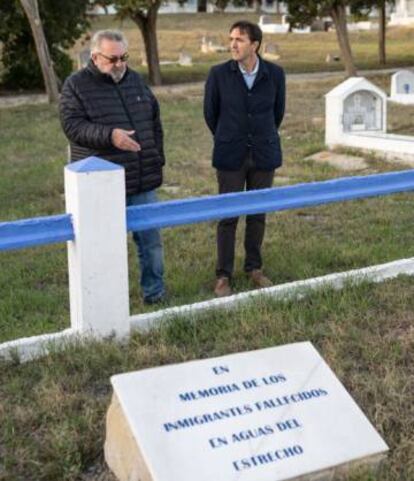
(269, 415)
(122, 453)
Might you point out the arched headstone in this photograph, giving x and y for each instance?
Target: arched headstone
(356, 116)
(402, 87)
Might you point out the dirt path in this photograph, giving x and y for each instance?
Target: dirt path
(15, 101)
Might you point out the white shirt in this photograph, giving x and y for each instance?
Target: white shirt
(249, 77)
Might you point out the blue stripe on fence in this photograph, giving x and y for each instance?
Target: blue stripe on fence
(189, 211)
(47, 230)
(31, 232)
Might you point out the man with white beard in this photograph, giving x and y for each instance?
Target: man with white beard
(106, 110)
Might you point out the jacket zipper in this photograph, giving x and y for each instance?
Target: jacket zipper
(136, 134)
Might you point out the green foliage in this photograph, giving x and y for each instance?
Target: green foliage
(133, 8)
(303, 12)
(360, 9)
(63, 23)
(222, 4)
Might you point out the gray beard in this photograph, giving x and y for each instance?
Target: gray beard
(117, 75)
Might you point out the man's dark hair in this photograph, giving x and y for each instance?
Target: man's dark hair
(252, 30)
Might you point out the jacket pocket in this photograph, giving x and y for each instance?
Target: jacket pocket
(273, 142)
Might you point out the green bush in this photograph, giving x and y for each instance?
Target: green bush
(63, 23)
(22, 69)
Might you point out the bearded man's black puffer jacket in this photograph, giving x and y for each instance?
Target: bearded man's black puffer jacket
(92, 105)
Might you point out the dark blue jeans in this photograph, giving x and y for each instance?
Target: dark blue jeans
(150, 252)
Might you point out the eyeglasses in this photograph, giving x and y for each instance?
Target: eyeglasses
(115, 59)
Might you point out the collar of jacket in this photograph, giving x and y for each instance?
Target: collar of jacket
(263, 70)
(93, 69)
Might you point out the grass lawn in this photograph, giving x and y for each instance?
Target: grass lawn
(52, 410)
(298, 53)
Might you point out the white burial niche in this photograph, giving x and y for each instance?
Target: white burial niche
(269, 415)
(402, 87)
(356, 116)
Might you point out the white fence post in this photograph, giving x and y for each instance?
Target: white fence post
(98, 261)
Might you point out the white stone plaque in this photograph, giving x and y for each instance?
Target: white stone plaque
(268, 415)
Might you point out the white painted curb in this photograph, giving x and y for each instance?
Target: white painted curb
(30, 348)
(290, 290)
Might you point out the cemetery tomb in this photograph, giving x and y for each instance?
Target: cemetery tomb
(360, 26)
(271, 51)
(402, 87)
(185, 60)
(269, 415)
(332, 57)
(404, 13)
(302, 29)
(356, 116)
(211, 45)
(268, 26)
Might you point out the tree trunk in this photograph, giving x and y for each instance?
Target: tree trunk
(338, 14)
(381, 33)
(202, 6)
(148, 26)
(49, 77)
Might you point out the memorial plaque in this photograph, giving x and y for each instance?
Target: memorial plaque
(269, 415)
(362, 111)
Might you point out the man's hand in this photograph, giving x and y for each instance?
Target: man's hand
(122, 140)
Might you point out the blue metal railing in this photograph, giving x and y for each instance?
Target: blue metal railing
(189, 211)
(31, 232)
(47, 230)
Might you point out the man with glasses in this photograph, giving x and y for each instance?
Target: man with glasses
(106, 110)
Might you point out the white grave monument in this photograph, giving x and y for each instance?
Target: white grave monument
(267, 25)
(271, 51)
(269, 415)
(83, 58)
(361, 26)
(185, 59)
(402, 87)
(303, 29)
(356, 116)
(211, 45)
(404, 13)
